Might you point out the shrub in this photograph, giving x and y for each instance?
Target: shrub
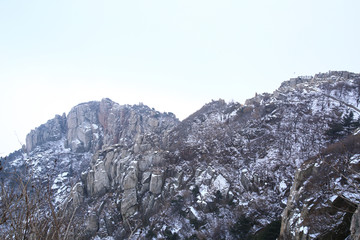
(344, 127)
(241, 229)
(197, 223)
(195, 191)
(27, 210)
(170, 236)
(270, 232)
(150, 234)
(192, 237)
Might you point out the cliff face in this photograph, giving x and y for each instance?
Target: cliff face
(224, 172)
(53, 130)
(77, 141)
(90, 126)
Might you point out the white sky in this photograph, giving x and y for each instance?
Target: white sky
(173, 55)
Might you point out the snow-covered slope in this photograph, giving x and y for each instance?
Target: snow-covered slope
(224, 172)
(325, 194)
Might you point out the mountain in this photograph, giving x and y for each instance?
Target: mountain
(228, 171)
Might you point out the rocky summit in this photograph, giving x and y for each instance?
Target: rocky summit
(283, 165)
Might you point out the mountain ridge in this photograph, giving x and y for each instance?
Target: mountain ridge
(224, 166)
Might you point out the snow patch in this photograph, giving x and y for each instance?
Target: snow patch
(304, 229)
(282, 186)
(194, 212)
(220, 184)
(333, 198)
(355, 159)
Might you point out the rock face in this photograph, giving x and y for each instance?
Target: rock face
(83, 127)
(156, 183)
(93, 125)
(98, 178)
(90, 126)
(118, 167)
(77, 194)
(224, 172)
(53, 130)
(132, 165)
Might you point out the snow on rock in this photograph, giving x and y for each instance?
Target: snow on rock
(194, 212)
(204, 192)
(355, 159)
(333, 198)
(282, 187)
(221, 184)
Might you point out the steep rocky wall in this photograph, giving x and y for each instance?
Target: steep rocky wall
(90, 126)
(134, 175)
(97, 124)
(83, 128)
(149, 183)
(52, 130)
(133, 168)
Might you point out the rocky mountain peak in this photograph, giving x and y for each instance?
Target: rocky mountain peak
(90, 126)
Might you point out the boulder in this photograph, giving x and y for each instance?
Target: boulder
(97, 179)
(156, 183)
(129, 203)
(131, 178)
(92, 223)
(77, 194)
(145, 182)
(221, 184)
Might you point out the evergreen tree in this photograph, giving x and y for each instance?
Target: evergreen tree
(349, 123)
(345, 127)
(335, 131)
(241, 229)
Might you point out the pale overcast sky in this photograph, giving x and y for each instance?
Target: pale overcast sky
(172, 55)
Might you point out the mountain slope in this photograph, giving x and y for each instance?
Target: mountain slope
(325, 194)
(224, 172)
